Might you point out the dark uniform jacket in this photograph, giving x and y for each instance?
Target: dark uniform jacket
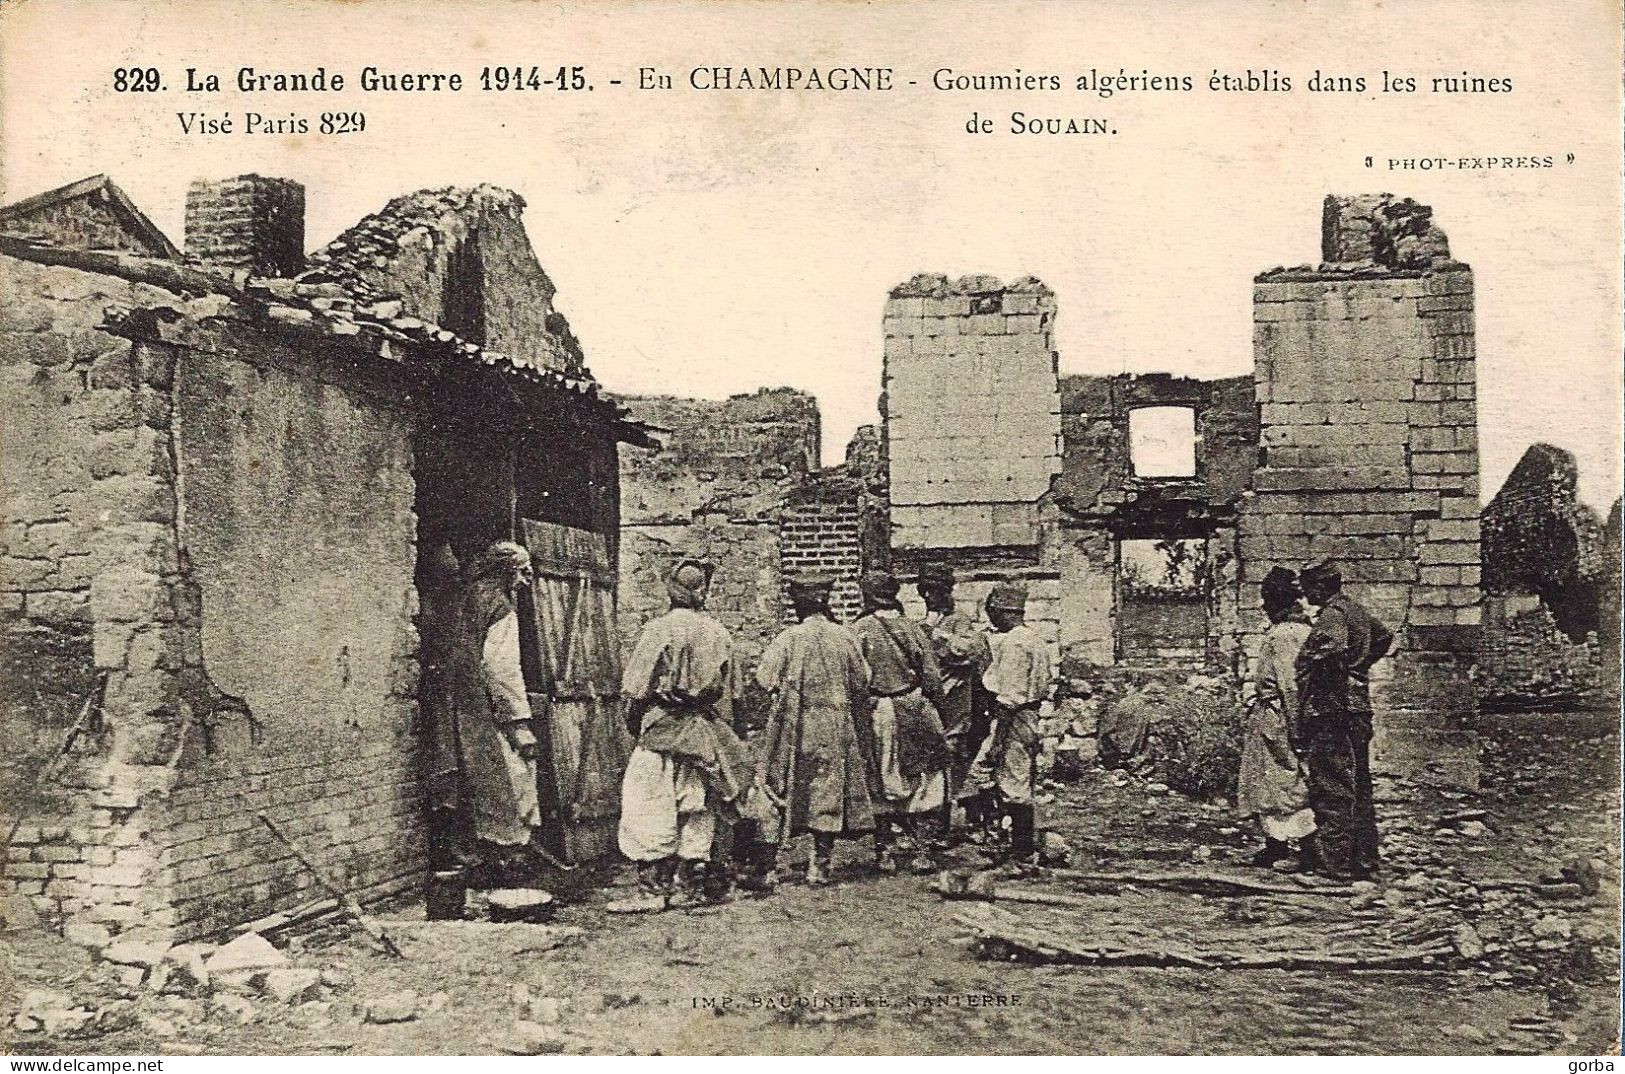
(1334, 665)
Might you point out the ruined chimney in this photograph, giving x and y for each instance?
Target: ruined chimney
(1393, 233)
(251, 222)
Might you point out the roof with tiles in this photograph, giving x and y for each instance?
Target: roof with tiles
(332, 297)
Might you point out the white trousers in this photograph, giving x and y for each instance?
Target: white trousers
(663, 810)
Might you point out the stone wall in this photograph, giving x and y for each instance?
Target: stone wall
(971, 411)
(1539, 538)
(1366, 385)
(1098, 482)
(714, 488)
(459, 258)
(1526, 661)
(93, 618)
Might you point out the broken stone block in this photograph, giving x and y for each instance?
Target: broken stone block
(233, 1007)
(143, 953)
(291, 985)
(188, 974)
(67, 1021)
(1553, 926)
(158, 1027)
(401, 1007)
(1468, 943)
(250, 951)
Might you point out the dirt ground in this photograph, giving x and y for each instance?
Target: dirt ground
(880, 966)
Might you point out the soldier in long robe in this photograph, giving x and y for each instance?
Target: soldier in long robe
(1271, 784)
(911, 749)
(818, 748)
(1017, 681)
(687, 766)
(1334, 687)
(493, 718)
(962, 655)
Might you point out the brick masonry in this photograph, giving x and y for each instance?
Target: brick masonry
(209, 544)
(249, 223)
(738, 482)
(225, 692)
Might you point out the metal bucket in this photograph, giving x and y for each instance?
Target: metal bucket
(446, 895)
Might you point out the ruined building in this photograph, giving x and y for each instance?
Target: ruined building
(1143, 511)
(221, 478)
(738, 481)
(1545, 572)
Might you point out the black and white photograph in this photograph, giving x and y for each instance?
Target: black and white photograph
(750, 528)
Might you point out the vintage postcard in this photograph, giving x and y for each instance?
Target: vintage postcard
(960, 528)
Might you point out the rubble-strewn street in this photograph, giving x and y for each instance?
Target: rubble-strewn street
(1531, 967)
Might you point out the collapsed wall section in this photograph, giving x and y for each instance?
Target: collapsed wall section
(1366, 383)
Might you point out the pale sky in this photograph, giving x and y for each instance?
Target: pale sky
(711, 243)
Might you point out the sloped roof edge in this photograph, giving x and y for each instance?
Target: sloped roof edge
(137, 220)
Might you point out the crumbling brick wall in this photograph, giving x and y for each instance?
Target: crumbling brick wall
(821, 532)
(1526, 661)
(1366, 386)
(131, 591)
(1543, 579)
(1539, 538)
(299, 533)
(714, 488)
(458, 257)
(1102, 499)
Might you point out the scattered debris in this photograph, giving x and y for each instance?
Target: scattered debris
(291, 985)
(531, 1038)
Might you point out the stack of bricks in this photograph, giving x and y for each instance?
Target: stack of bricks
(972, 410)
(1365, 379)
(250, 223)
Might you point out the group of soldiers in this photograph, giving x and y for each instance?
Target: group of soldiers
(874, 728)
(882, 728)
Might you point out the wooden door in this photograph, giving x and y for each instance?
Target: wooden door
(577, 685)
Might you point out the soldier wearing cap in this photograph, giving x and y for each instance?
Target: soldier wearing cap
(818, 750)
(911, 749)
(1335, 724)
(962, 652)
(1017, 680)
(688, 766)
